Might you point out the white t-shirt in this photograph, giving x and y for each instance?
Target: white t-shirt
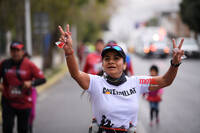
(116, 106)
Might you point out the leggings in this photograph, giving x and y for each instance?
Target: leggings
(33, 112)
(9, 113)
(34, 99)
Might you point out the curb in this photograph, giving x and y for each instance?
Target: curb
(50, 81)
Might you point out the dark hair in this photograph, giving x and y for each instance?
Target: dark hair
(155, 68)
(26, 54)
(99, 41)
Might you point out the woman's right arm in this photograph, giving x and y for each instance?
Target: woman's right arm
(81, 78)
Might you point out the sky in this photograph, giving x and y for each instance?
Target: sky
(129, 12)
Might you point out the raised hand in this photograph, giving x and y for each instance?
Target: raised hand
(177, 52)
(66, 38)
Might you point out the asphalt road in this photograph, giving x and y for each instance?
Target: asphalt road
(61, 109)
(180, 108)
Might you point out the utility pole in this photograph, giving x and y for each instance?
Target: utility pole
(28, 27)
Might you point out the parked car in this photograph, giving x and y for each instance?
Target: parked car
(159, 49)
(190, 47)
(151, 42)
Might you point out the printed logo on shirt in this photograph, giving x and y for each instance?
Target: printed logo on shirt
(116, 92)
(106, 122)
(13, 71)
(151, 81)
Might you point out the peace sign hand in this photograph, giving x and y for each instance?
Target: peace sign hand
(177, 52)
(66, 38)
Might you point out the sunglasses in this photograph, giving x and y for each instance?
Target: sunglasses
(113, 47)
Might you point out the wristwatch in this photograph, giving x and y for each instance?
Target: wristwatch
(175, 65)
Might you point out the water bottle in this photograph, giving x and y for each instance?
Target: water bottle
(131, 130)
(94, 126)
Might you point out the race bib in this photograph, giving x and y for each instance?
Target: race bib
(15, 91)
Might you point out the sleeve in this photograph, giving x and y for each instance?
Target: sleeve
(143, 83)
(37, 73)
(91, 90)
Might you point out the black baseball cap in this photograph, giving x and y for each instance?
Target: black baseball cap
(16, 45)
(113, 46)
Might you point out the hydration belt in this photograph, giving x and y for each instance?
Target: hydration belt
(95, 128)
(112, 130)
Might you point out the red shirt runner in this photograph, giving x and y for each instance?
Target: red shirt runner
(93, 63)
(17, 96)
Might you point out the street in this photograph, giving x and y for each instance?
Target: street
(62, 109)
(180, 107)
(44, 34)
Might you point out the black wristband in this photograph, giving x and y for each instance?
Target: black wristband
(37, 82)
(175, 65)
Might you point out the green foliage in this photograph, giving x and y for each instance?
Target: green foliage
(88, 15)
(93, 18)
(10, 11)
(189, 11)
(12, 17)
(102, 1)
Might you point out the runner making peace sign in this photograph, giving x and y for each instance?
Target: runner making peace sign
(114, 96)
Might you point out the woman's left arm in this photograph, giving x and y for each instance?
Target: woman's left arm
(167, 79)
(38, 77)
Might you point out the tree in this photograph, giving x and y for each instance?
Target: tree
(12, 17)
(88, 15)
(58, 13)
(189, 11)
(93, 20)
